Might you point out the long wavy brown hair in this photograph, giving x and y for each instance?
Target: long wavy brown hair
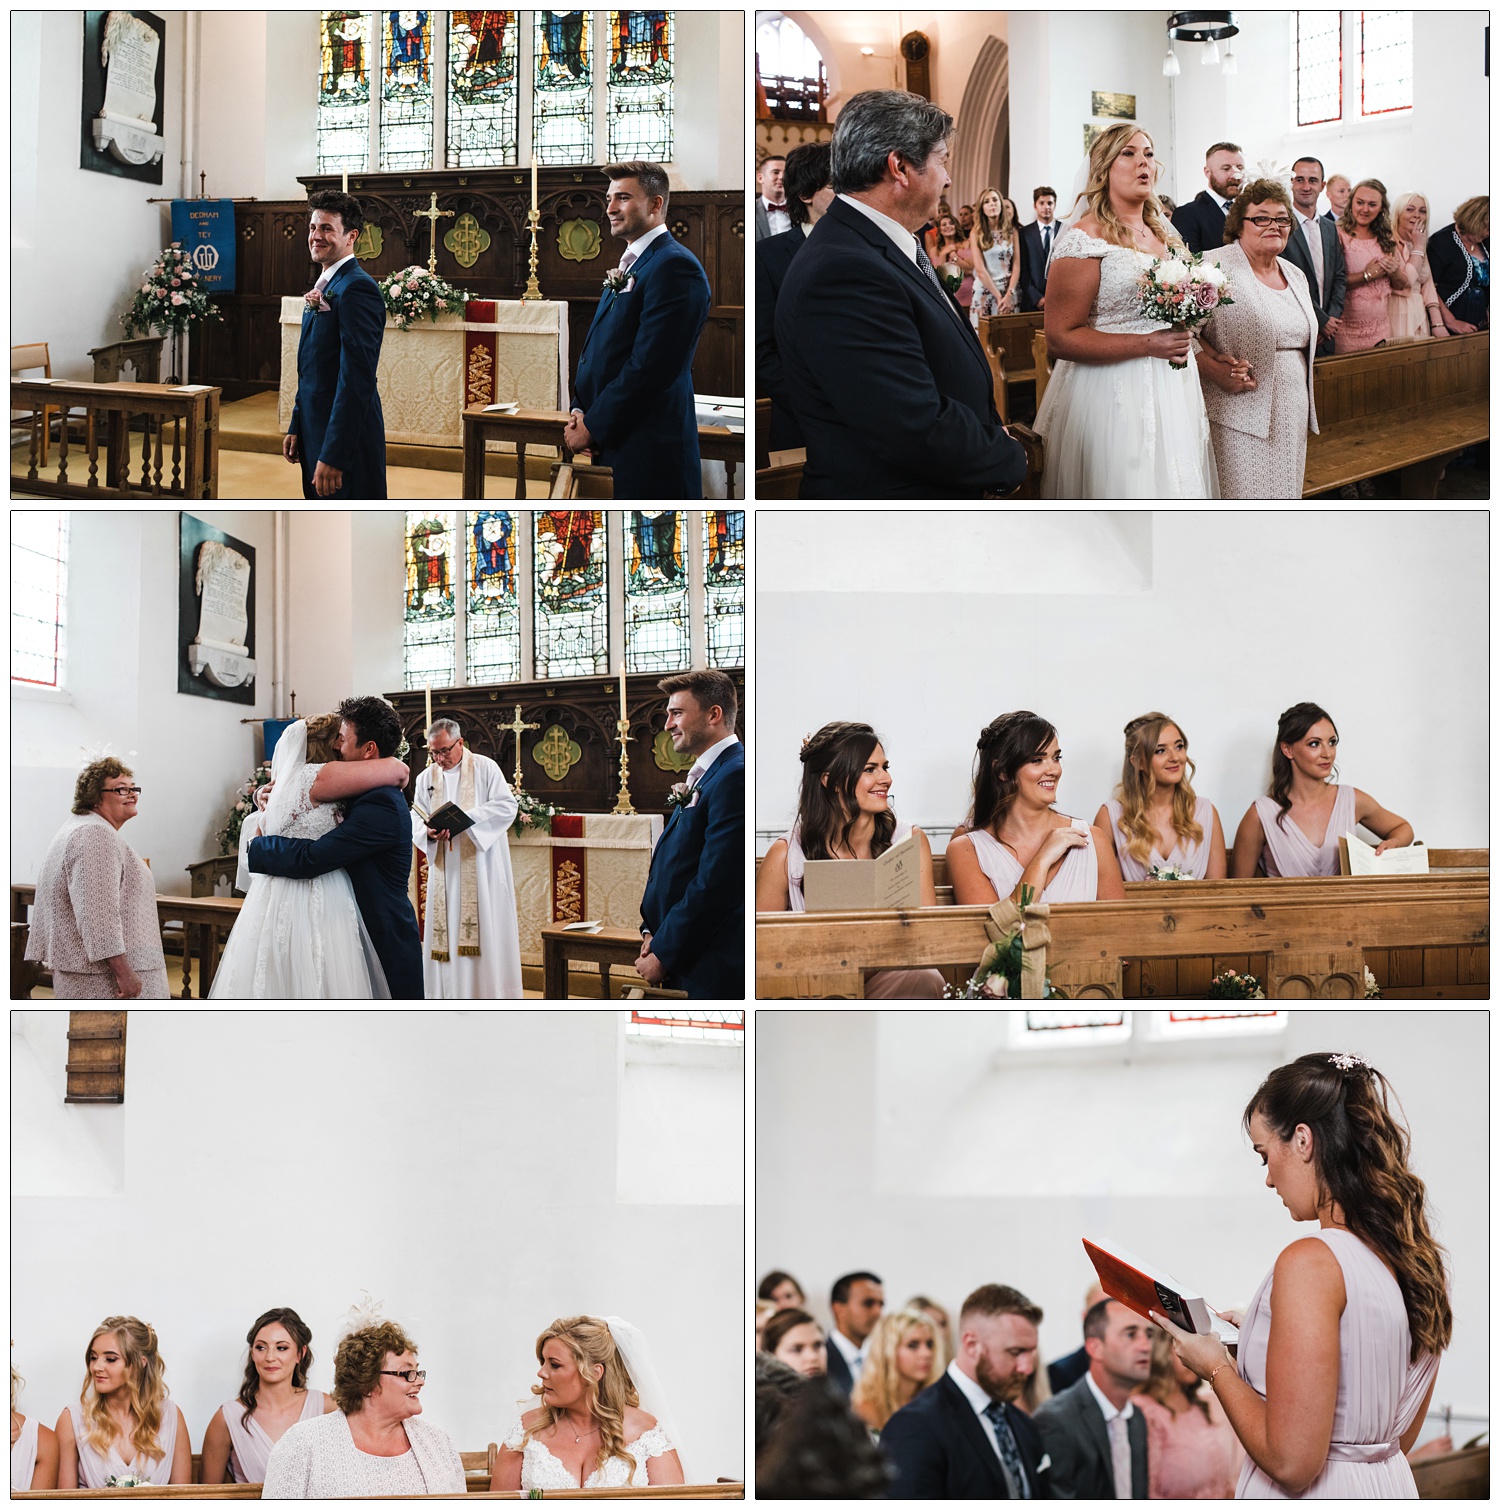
(880, 1386)
(1005, 228)
(588, 1339)
(1290, 727)
(1108, 145)
(1361, 1153)
(1380, 227)
(300, 1333)
(1162, 1383)
(1138, 786)
(145, 1387)
(1005, 745)
(827, 809)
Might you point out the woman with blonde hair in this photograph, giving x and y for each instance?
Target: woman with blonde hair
(1416, 312)
(590, 1430)
(33, 1447)
(1192, 1452)
(942, 1328)
(1372, 267)
(123, 1425)
(1155, 819)
(994, 249)
(900, 1361)
(1117, 419)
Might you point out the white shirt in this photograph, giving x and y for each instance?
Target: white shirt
(326, 276)
(640, 243)
(893, 228)
(1223, 203)
(974, 1393)
(776, 216)
(699, 771)
(1109, 1410)
(853, 1356)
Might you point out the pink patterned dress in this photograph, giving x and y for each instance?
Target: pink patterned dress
(1077, 878)
(1289, 852)
(1367, 320)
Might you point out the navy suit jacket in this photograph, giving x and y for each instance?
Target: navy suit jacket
(1068, 1370)
(373, 844)
(1033, 269)
(694, 906)
(1200, 223)
(337, 416)
(838, 1371)
(888, 380)
(635, 375)
(773, 256)
(1077, 1440)
(941, 1450)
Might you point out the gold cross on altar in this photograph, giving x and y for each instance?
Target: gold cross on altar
(518, 728)
(432, 215)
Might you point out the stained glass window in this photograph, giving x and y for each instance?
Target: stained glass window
(492, 642)
(406, 119)
(1385, 61)
(571, 614)
(640, 85)
(727, 1028)
(482, 88)
(1320, 67)
(724, 585)
(344, 92)
(38, 595)
(657, 633)
(430, 641)
(562, 105)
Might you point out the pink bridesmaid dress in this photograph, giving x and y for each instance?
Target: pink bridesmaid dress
(93, 1470)
(882, 985)
(1077, 878)
(1380, 1388)
(23, 1455)
(1193, 858)
(1191, 1456)
(1289, 852)
(249, 1446)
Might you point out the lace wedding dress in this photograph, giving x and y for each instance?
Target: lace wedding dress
(1132, 429)
(540, 1470)
(299, 940)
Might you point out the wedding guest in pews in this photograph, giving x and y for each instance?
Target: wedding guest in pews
(900, 1361)
(995, 249)
(953, 258)
(1013, 837)
(1036, 247)
(965, 220)
(1416, 313)
(844, 813)
(780, 1288)
(942, 1328)
(1314, 246)
(273, 1397)
(1338, 191)
(856, 1300)
(1200, 222)
(815, 1447)
(33, 1447)
(1330, 1389)
(373, 1444)
(94, 918)
(764, 1311)
(1374, 269)
(124, 1423)
(1155, 813)
(1459, 255)
(795, 1338)
(1192, 1452)
(1295, 829)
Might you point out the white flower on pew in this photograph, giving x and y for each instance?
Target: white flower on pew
(125, 1481)
(1171, 873)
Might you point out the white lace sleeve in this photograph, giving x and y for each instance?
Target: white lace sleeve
(1076, 243)
(285, 816)
(515, 1438)
(654, 1443)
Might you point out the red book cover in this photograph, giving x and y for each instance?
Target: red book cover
(1145, 1288)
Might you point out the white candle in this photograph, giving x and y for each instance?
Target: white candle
(533, 180)
(622, 691)
(428, 724)
(345, 176)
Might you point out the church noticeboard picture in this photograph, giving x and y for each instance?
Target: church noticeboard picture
(1119, 107)
(215, 614)
(124, 73)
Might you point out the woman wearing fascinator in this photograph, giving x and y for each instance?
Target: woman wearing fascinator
(602, 1420)
(1330, 1388)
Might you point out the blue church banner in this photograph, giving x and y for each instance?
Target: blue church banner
(205, 227)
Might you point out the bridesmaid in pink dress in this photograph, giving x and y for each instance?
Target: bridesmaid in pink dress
(33, 1447)
(1192, 1452)
(1333, 1380)
(1013, 837)
(1373, 268)
(124, 1423)
(273, 1397)
(1155, 818)
(1294, 831)
(844, 813)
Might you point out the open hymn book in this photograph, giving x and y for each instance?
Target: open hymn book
(1356, 858)
(893, 879)
(1146, 1287)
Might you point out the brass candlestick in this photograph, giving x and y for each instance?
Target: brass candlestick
(533, 288)
(623, 806)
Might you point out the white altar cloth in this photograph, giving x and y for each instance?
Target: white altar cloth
(420, 378)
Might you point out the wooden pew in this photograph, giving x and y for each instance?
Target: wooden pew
(1463, 1474)
(719, 1491)
(1407, 409)
(781, 477)
(1008, 344)
(762, 433)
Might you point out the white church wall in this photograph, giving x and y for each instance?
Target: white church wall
(460, 1166)
(320, 611)
(709, 88)
(920, 1146)
(1222, 620)
(377, 540)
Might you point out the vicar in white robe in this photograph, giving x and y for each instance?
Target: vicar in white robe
(471, 948)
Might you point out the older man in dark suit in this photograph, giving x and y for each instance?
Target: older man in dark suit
(887, 378)
(1314, 246)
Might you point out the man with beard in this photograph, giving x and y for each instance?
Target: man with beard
(1200, 222)
(963, 1438)
(1094, 1435)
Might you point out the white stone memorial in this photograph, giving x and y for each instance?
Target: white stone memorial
(222, 582)
(126, 126)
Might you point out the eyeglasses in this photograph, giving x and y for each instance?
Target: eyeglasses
(444, 749)
(124, 791)
(1276, 222)
(411, 1375)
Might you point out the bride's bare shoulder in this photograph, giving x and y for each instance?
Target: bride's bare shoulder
(637, 1421)
(1090, 227)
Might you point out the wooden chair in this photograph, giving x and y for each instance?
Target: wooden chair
(27, 358)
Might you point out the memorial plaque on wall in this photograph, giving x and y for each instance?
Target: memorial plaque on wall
(215, 614)
(124, 73)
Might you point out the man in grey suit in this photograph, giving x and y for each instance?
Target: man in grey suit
(1092, 1432)
(771, 217)
(1314, 246)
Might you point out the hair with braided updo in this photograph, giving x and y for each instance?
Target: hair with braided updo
(1005, 745)
(1361, 1154)
(1292, 726)
(1138, 786)
(323, 738)
(833, 760)
(300, 1333)
(145, 1387)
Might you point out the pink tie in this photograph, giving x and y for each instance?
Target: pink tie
(1119, 1452)
(626, 260)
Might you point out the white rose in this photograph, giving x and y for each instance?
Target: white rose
(1212, 274)
(1170, 274)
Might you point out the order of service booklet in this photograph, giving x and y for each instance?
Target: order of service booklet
(1356, 858)
(1145, 1288)
(894, 879)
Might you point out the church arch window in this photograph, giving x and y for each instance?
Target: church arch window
(344, 91)
(1375, 46)
(1385, 61)
(657, 627)
(725, 1028)
(562, 86)
(724, 586)
(1318, 66)
(1072, 1031)
(484, 88)
(642, 50)
(406, 94)
(790, 69)
(38, 596)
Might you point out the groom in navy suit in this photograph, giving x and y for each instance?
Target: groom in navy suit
(337, 432)
(633, 391)
(693, 912)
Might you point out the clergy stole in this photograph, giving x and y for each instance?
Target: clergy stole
(468, 877)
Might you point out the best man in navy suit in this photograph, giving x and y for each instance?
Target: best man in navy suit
(373, 844)
(963, 1438)
(1036, 249)
(693, 911)
(633, 391)
(1200, 222)
(337, 432)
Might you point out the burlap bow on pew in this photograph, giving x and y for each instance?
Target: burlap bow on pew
(1008, 918)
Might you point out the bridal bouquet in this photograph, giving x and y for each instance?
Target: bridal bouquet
(1182, 290)
(415, 294)
(244, 805)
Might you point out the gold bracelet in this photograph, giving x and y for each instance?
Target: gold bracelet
(1227, 1363)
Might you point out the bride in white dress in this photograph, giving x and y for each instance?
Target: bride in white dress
(603, 1422)
(294, 939)
(1117, 419)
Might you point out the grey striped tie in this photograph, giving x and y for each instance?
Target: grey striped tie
(1005, 1439)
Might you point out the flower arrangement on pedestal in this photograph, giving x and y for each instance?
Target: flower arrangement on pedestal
(533, 816)
(244, 805)
(415, 294)
(169, 301)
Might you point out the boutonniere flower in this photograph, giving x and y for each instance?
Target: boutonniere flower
(315, 301)
(618, 281)
(679, 795)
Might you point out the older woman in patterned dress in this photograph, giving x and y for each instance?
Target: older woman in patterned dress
(94, 919)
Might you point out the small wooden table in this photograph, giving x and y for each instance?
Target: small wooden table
(608, 947)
